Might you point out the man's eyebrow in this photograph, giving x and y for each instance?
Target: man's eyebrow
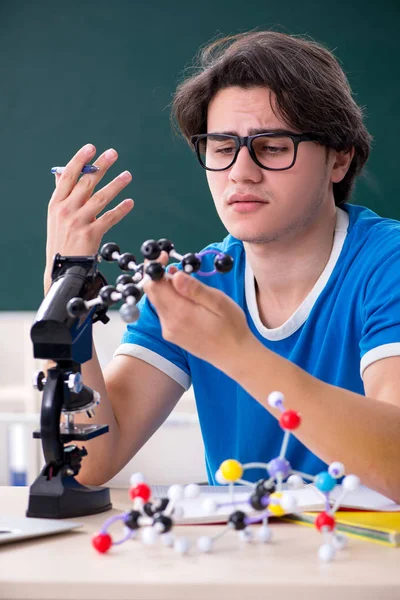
(250, 131)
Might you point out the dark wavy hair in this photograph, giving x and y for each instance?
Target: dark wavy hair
(312, 92)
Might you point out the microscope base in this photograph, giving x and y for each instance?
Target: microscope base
(64, 498)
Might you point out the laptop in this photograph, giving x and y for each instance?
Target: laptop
(15, 529)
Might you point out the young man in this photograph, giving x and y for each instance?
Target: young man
(311, 307)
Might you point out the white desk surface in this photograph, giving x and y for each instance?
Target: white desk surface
(66, 565)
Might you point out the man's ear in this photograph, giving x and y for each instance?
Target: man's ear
(341, 164)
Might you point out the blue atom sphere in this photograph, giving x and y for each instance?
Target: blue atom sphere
(324, 482)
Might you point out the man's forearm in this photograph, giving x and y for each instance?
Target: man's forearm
(95, 468)
(337, 424)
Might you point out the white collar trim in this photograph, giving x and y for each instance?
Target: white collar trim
(300, 315)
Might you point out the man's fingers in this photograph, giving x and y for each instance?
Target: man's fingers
(68, 179)
(162, 295)
(85, 186)
(196, 291)
(112, 217)
(165, 293)
(100, 199)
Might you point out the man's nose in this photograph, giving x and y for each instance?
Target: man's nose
(244, 168)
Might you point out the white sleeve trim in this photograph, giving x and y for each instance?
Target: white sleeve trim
(384, 351)
(158, 361)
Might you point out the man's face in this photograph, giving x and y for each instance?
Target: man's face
(285, 202)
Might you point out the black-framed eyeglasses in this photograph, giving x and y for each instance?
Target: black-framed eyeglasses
(273, 151)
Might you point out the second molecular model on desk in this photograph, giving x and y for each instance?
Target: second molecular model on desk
(267, 499)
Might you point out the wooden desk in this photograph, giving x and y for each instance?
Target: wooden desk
(66, 566)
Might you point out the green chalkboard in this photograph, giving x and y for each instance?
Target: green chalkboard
(104, 72)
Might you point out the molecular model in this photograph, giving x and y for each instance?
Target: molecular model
(153, 516)
(129, 288)
(269, 497)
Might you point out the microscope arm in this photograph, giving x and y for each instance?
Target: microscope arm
(50, 415)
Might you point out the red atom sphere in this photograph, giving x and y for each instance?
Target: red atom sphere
(290, 419)
(102, 542)
(140, 490)
(324, 521)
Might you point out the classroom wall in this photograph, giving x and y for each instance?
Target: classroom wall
(104, 72)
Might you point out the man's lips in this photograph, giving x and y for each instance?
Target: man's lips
(238, 198)
(246, 203)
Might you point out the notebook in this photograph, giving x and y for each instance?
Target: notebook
(379, 527)
(309, 498)
(16, 529)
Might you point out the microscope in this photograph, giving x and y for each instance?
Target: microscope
(62, 333)
(66, 340)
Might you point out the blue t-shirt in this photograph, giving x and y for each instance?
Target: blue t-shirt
(350, 319)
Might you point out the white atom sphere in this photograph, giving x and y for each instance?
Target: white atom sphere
(159, 527)
(351, 483)
(275, 399)
(181, 545)
(339, 541)
(204, 544)
(149, 536)
(179, 512)
(336, 469)
(288, 503)
(264, 534)
(167, 539)
(209, 506)
(191, 491)
(137, 478)
(219, 478)
(246, 535)
(175, 492)
(295, 482)
(326, 552)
